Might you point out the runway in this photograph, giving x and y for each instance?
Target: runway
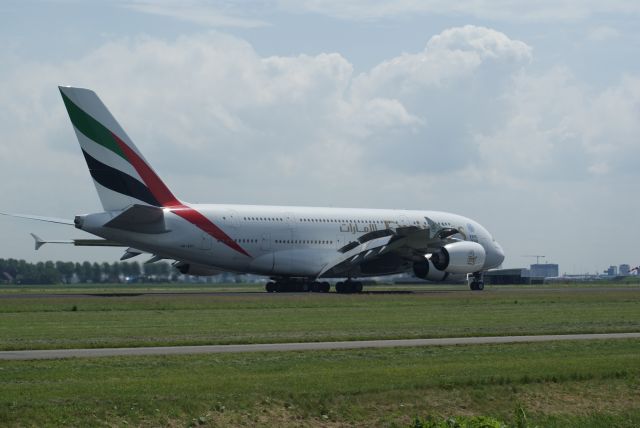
(309, 346)
(368, 291)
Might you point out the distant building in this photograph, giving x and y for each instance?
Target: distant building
(612, 271)
(544, 270)
(624, 270)
(506, 276)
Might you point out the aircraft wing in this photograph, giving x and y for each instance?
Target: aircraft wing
(41, 218)
(401, 243)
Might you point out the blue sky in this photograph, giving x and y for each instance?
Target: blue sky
(522, 115)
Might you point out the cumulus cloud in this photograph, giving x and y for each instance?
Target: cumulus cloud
(451, 55)
(447, 127)
(558, 128)
(211, 102)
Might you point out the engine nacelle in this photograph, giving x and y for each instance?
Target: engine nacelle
(426, 270)
(195, 270)
(459, 257)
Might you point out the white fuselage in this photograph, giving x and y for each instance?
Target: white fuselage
(281, 240)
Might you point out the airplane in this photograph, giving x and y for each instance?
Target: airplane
(298, 248)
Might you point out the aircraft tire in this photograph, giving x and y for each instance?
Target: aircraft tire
(480, 285)
(270, 287)
(357, 287)
(325, 287)
(340, 288)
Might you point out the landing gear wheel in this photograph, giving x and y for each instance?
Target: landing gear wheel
(477, 283)
(270, 287)
(348, 287)
(325, 287)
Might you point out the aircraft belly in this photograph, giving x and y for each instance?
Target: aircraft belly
(301, 262)
(262, 264)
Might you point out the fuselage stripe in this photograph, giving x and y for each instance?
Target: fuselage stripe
(162, 193)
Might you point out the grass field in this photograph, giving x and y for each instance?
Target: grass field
(72, 322)
(555, 384)
(592, 384)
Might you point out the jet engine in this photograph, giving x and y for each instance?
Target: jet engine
(426, 270)
(459, 257)
(194, 269)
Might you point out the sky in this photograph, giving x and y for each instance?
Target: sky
(524, 116)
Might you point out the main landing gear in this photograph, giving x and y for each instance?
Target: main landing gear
(348, 287)
(300, 285)
(476, 283)
(291, 285)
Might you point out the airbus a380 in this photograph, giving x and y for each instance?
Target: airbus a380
(297, 247)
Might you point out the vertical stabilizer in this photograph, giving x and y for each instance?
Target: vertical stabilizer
(121, 174)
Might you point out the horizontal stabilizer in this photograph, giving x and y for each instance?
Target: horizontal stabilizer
(39, 241)
(76, 242)
(140, 219)
(95, 243)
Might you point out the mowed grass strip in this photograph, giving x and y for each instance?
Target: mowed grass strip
(563, 383)
(147, 320)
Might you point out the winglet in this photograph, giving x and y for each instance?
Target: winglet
(39, 241)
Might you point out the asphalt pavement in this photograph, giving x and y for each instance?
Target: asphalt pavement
(50, 354)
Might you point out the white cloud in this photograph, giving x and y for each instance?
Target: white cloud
(504, 10)
(204, 107)
(449, 56)
(603, 33)
(462, 125)
(559, 129)
(198, 12)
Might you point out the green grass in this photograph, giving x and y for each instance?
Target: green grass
(557, 384)
(71, 322)
(109, 288)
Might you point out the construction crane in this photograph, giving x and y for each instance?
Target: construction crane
(536, 256)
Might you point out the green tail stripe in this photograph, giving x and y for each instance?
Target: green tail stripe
(91, 128)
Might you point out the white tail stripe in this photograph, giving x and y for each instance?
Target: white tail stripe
(106, 156)
(91, 104)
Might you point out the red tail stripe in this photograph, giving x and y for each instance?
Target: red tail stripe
(153, 182)
(162, 193)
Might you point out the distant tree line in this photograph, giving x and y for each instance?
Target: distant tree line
(23, 272)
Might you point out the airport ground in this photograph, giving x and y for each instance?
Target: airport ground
(587, 383)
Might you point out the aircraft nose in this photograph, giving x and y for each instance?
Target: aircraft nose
(499, 254)
(495, 256)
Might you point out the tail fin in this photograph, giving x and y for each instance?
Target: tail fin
(121, 174)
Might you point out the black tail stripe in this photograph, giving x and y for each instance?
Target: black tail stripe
(118, 181)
